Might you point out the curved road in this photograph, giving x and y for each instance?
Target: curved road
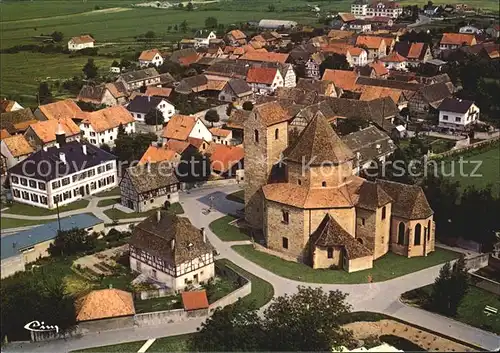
(380, 297)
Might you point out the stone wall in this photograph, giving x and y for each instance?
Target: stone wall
(106, 324)
(485, 283)
(232, 297)
(474, 263)
(321, 260)
(12, 265)
(167, 316)
(279, 254)
(154, 293)
(359, 264)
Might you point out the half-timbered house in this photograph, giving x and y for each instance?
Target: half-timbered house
(170, 250)
(148, 186)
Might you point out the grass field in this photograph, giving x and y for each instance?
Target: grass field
(113, 213)
(14, 223)
(387, 267)
(226, 231)
(112, 192)
(27, 210)
(238, 196)
(103, 203)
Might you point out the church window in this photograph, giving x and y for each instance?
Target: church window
(286, 217)
(276, 134)
(330, 253)
(418, 231)
(401, 233)
(383, 213)
(323, 184)
(429, 230)
(256, 136)
(285, 243)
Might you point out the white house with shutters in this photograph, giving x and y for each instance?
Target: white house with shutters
(457, 113)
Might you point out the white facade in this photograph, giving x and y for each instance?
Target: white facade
(264, 88)
(290, 79)
(133, 85)
(459, 120)
(359, 10)
(165, 107)
(66, 189)
(396, 65)
(203, 42)
(223, 140)
(469, 30)
(79, 46)
(379, 9)
(156, 61)
(200, 131)
(360, 27)
(107, 136)
(357, 60)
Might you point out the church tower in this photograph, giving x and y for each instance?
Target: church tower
(265, 139)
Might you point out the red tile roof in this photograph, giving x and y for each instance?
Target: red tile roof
(341, 78)
(179, 127)
(188, 60)
(3, 134)
(264, 75)
(83, 39)
(380, 69)
(224, 157)
(394, 57)
(371, 42)
(158, 91)
(415, 50)
(457, 39)
(194, 300)
(265, 56)
(148, 55)
(156, 154)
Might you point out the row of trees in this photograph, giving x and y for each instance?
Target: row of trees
(449, 288)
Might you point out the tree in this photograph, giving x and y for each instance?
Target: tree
(229, 109)
(90, 69)
(44, 95)
(70, 242)
(449, 288)
(125, 63)
(212, 116)
(193, 167)
(115, 63)
(132, 147)
(271, 8)
(154, 117)
(248, 106)
(334, 62)
(150, 35)
(184, 26)
(176, 27)
(181, 5)
(105, 147)
(57, 36)
(190, 6)
(121, 131)
(211, 22)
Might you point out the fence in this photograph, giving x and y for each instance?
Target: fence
(487, 284)
(466, 148)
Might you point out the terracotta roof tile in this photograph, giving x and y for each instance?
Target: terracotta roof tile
(220, 132)
(341, 78)
(380, 69)
(158, 91)
(46, 130)
(196, 142)
(104, 303)
(4, 134)
(108, 118)
(457, 39)
(369, 93)
(415, 50)
(394, 57)
(409, 200)
(194, 300)
(24, 125)
(6, 105)
(117, 89)
(356, 51)
(271, 113)
(372, 196)
(177, 146)
(156, 154)
(224, 157)
(336, 48)
(179, 127)
(82, 39)
(371, 42)
(339, 34)
(263, 75)
(265, 56)
(148, 55)
(61, 109)
(237, 34)
(18, 145)
(9, 119)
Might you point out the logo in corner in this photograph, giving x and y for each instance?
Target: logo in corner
(37, 326)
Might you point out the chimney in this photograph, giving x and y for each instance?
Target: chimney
(158, 216)
(45, 148)
(62, 157)
(84, 149)
(172, 244)
(204, 235)
(111, 286)
(60, 134)
(149, 99)
(57, 145)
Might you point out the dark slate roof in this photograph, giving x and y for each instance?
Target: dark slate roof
(155, 238)
(11, 245)
(229, 68)
(406, 86)
(331, 234)
(176, 55)
(89, 92)
(139, 74)
(318, 144)
(455, 105)
(297, 95)
(8, 119)
(372, 196)
(364, 70)
(187, 84)
(166, 79)
(366, 141)
(409, 200)
(151, 176)
(302, 52)
(240, 87)
(436, 92)
(47, 165)
(143, 104)
(318, 86)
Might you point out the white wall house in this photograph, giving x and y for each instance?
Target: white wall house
(289, 76)
(264, 80)
(183, 127)
(222, 136)
(150, 57)
(359, 8)
(357, 57)
(136, 79)
(81, 42)
(469, 30)
(457, 113)
(101, 127)
(140, 106)
(395, 61)
(385, 9)
(63, 174)
(204, 41)
(158, 251)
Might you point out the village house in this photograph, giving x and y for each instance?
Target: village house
(44, 133)
(61, 109)
(7, 105)
(148, 186)
(140, 106)
(265, 57)
(183, 127)
(101, 126)
(17, 121)
(432, 10)
(395, 61)
(357, 57)
(28, 246)
(360, 25)
(327, 219)
(307, 59)
(457, 113)
(346, 80)
(276, 24)
(201, 84)
(236, 91)
(469, 30)
(170, 250)
(81, 42)
(264, 80)
(62, 174)
(158, 153)
(202, 38)
(376, 47)
(161, 92)
(15, 149)
(227, 161)
(150, 57)
(456, 40)
(184, 57)
(384, 8)
(236, 38)
(134, 80)
(221, 136)
(321, 88)
(428, 98)
(109, 94)
(494, 31)
(369, 93)
(416, 53)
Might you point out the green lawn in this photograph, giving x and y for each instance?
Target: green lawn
(238, 196)
(14, 223)
(176, 208)
(27, 210)
(227, 232)
(179, 343)
(112, 192)
(158, 304)
(103, 203)
(470, 310)
(114, 213)
(115, 348)
(388, 267)
(262, 291)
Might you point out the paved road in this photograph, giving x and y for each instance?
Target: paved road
(380, 297)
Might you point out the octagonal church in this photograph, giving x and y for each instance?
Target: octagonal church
(310, 206)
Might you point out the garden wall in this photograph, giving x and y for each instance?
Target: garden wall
(209, 183)
(473, 146)
(476, 262)
(167, 316)
(485, 283)
(154, 293)
(106, 324)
